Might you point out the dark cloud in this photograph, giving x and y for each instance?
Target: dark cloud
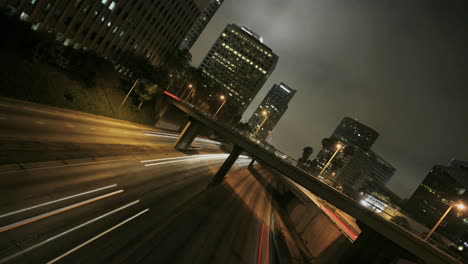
(397, 66)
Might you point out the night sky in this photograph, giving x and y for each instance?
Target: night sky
(399, 67)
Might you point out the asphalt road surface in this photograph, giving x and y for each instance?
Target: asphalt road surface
(32, 132)
(151, 208)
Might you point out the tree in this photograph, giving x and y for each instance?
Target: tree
(178, 63)
(145, 91)
(303, 162)
(142, 69)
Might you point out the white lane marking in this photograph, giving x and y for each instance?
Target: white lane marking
(186, 157)
(96, 237)
(56, 201)
(63, 209)
(66, 232)
(39, 122)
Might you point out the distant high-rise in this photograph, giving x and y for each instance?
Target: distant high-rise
(270, 111)
(443, 186)
(200, 24)
(351, 131)
(355, 168)
(236, 67)
(111, 28)
(363, 171)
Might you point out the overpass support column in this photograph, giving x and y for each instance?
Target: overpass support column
(187, 135)
(221, 173)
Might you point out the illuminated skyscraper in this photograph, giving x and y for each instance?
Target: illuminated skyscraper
(270, 111)
(200, 25)
(443, 186)
(351, 131)
(356, 168)
(236, 67)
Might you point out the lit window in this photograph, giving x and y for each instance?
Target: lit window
(115, 29)
(67, 42)
(112, 6)
(121, 33)
(109, 24)
(103, 2)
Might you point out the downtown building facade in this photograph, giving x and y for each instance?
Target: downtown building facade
(236, 67)
(356, 169)
(200, 24)
(270, 110)
(152, 29)
(442, 187)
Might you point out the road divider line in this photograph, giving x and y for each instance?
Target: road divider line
(66, 232)
(58, 200)
(58, 211)
(96, 237)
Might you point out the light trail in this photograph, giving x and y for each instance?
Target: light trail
(175, 161)
(58, 211)
(96, 237)
(348, 230)
(261, 245)
(66, 232)
(167, 135)
(186, 157)
(56, 201)
(267, 254)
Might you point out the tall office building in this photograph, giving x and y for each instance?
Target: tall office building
(200, 24)
(355, 168)
(363, 171)
(152, 29)
(443, 186)
(351, 131)
(236, 67)
(270, 111)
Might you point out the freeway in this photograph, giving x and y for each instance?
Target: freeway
(32, 132)
(150, 205)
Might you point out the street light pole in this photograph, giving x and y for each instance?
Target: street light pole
(264, 113)
(460, 206)
(338, 148)
(224, 101)
(128, 94)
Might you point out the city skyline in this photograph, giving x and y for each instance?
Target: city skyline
(401, 89)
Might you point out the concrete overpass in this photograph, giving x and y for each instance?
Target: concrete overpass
(382, 228)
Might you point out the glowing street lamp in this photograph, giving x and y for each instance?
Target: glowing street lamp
(224, 99)
(266, 115)
(460, 206)
(338, 148)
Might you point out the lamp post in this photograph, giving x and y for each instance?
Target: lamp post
(460, 206)
(187, 92)
(128, 94)
(170, 82)
(338, 148)
(222, 97)
(265, 114)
